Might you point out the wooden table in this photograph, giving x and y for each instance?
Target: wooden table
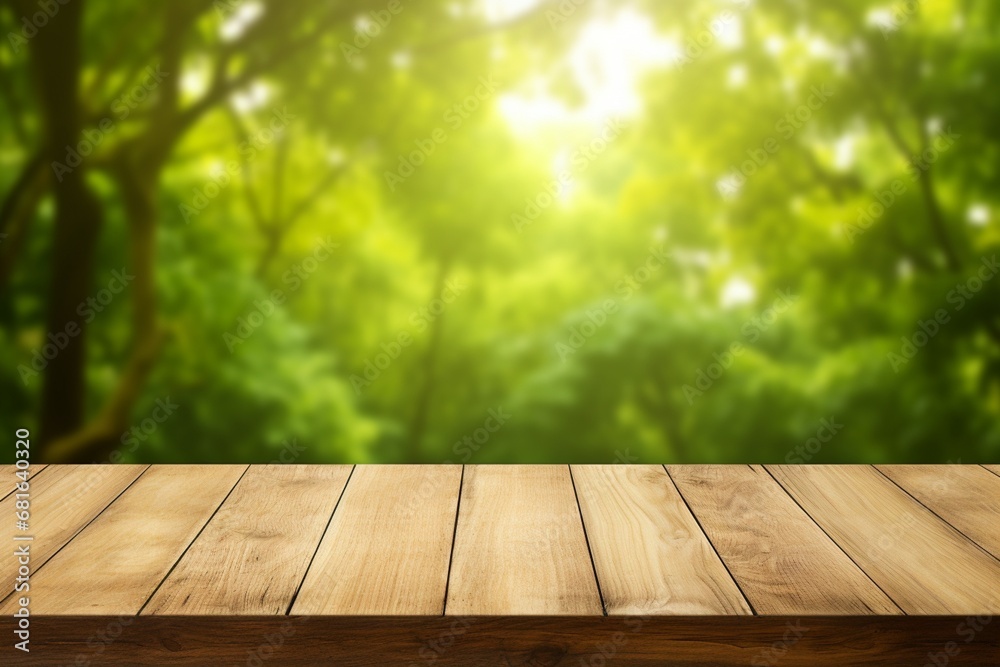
(509, 564)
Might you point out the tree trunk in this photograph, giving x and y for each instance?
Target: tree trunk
(55, 54)
(103, 434)
(418, 423)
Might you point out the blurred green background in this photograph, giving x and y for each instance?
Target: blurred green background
(484, 231)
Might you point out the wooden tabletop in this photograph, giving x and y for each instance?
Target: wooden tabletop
(486, 540)
(818, 566)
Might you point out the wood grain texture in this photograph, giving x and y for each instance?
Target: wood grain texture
(387, 548)
(995, 469)
(63, 501)
(11, 480)
(252, 555)
(524, 641)
(921, 562)
(115, 564)
(650, 555)
(966, 496)
(519, 545)
(782, 560)
(117, 540)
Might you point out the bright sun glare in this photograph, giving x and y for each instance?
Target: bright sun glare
(606, 62)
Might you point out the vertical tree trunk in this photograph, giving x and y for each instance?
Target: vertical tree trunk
(95, 441)
(56, 59)
(418, 423)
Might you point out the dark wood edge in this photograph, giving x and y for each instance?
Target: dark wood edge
(757, 641)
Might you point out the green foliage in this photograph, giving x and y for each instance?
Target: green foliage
(639, 307)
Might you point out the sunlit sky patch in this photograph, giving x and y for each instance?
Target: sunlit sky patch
(843, 151)
(242, 18)
(401, 59)
(560, 165)
(606, 62)
(195, 78)
(737, 76)
(736, 292)
(904, 269)
(978, 215)
(729, 33)
(497, 11)
(881, 17)
(255, 96)
(774, 44)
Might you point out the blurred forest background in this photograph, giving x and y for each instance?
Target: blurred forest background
(521, 231)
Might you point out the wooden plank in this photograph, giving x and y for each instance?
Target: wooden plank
(922, 563)
(387, 548)
(650, 555)
(115, 564)
(966, 496)
(252, 555)
(519, 545)
(782, 560)
(10, 480)
(654, 641)
(995, 469)
(63, 501)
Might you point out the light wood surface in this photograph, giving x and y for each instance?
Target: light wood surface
(387, 548)
(263, 536)
(963, 495)
(519, 545)
(386, 541)
(115, 564)
(924, 564)
(650, 555)
(62, 502)
(782, 560)
(10, 479)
